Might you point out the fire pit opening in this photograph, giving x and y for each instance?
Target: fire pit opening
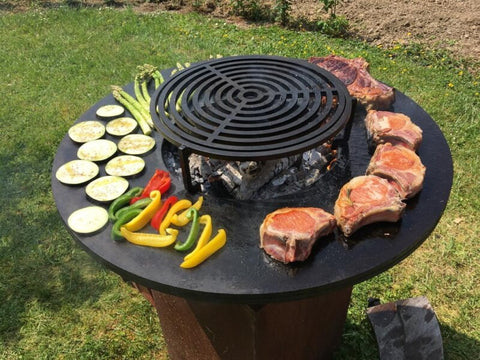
(251, 127)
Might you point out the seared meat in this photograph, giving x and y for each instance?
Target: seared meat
(360, 84)
(288, 234)
(365, 200)
(395, 128)
(401, 166)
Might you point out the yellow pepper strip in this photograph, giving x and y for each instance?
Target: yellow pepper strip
(179, 205)
(146, 215)
(182, 219)
(147, 239)
(205, 236)
(206, 251)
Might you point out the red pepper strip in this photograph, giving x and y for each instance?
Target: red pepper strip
(160, 214)
(160, 181)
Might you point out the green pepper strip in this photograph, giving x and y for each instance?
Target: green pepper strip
(121, 201)
(205, 236)
(126, 217)
(141, 204)
(192, 214)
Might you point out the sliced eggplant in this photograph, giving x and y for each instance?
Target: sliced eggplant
(77, 172)
(86, 131)
(121, 126)
(106, 188)
(125, 165)
(136, 144)
(108, 112)
(88, 219)
(97, 150)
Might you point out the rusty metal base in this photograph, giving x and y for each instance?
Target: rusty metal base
(303, 329)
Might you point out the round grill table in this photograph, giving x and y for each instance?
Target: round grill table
(238, 303)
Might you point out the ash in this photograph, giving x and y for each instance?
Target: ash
(248, 180)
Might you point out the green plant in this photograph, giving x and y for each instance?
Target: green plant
(282, 11)
(333, 26)
(252, 10)
(330, 6)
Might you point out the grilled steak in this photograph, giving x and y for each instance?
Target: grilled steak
(360, 84)
(288, 234)
(365, 200)
(395, 128)
(401, 166)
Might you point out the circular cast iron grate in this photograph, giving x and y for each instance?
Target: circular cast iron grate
(251, 107)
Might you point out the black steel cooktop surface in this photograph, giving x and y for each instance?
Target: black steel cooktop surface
(241, 272)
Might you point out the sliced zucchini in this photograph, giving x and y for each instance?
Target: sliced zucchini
(88, 219)
(125, 165)
(86, 131)
(97, 150)
(121, 126)
(106, 188)
(136, 144)
(108, 112)
(77, 172)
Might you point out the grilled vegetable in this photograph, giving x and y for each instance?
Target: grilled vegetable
(97, 150)
(182, 219)
(125, 165)
(160, 214)
(88, 219)
(140, 204)
(200, 255)
(121, 126)
(205, 235)
(192, 215)
(125, 218)
(146, 215)
(147, 239)
(122, 201)
(77, 172)
(86, 131)
(138, 112)
(160, 181)
(106, 188)
(136, 144)
(108, 112)
(178, 206)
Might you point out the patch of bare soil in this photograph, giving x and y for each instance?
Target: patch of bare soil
(447, 24)
(453, 25)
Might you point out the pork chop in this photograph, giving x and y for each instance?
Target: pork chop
(288, 234)
(401, 166)
(365, 200)
(360, 84)
(395, 128)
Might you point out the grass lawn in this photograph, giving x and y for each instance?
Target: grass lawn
(57, 302)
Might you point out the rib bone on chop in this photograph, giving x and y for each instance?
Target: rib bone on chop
(401, 166)
(288, 234)
(360, 84)
(365, 200)
(395, 128)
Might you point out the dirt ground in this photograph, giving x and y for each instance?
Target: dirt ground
(448, 24)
